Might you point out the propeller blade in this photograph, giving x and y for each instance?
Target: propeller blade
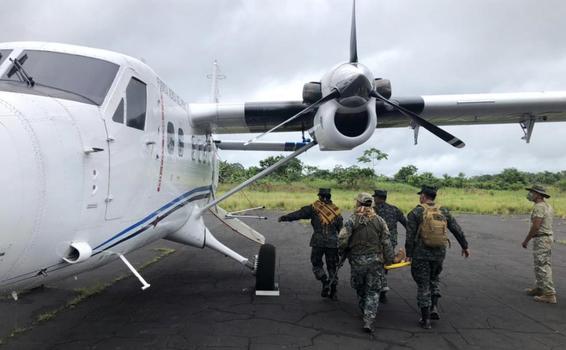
(444, 135)
(353, 41)
(326, 98)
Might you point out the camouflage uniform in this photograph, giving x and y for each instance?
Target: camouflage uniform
(391, 214)
(542, 248)
(427, 262)
(324, 241)
(366, 237)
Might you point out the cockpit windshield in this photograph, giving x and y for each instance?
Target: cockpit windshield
(3, 55)
(73, 77)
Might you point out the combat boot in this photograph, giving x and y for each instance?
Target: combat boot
(333, 293)
(434, 315)
(549, 298)
(368, 322)
(325, 287)
(383, 297)
(534, 292)
(425, 318)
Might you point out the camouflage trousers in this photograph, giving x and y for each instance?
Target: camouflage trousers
(385, 287)
(426, 274)
(367, 278)
(542, 253)
(331, 257)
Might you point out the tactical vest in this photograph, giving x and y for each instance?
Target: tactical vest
(432, 229)
(365, 236)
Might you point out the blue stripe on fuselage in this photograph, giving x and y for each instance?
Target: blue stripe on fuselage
(158, 211)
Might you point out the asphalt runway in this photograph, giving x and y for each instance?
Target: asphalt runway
(201, 300)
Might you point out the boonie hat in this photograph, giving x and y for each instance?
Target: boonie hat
(538, 189)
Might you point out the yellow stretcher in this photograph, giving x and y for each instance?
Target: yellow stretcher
(397, 265)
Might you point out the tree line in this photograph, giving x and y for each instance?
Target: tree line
(364, 174)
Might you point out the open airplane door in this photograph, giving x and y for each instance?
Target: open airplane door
(237, 225)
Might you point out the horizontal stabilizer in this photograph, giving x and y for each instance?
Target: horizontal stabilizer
(237, 225)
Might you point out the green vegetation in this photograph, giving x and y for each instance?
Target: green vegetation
(295, 185)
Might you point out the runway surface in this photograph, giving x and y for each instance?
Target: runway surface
(201, 300)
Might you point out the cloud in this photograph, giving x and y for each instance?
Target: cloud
(268, 49)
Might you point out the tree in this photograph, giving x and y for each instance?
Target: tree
(351, 176)
(372, 155)
(404, 173)
(291, 171)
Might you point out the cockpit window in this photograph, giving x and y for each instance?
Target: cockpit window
(73, 77)
(4, 54)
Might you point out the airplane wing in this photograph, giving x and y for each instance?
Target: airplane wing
(467, 109)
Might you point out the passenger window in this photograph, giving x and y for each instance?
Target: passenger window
(170, 138)
(136, 99)
(181, 142)
(118, 116)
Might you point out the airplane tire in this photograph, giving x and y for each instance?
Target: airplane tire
(265, 274)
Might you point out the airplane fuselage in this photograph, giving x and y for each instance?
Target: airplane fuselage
(113, 166)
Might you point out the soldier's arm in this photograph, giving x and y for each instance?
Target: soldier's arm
(344, 236)
(339, 223)
(455, 229)
(538, 217)
(305, 212)
(401, 218)
(388, 253)
(412, 229)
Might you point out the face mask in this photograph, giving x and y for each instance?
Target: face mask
(531, 196)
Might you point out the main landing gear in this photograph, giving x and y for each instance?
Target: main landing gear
(265, 272)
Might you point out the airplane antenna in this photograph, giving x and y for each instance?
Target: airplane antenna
(353, 41)
(215, 76)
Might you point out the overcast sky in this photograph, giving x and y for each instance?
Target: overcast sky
(269, 48)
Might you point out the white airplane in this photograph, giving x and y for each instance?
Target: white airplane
(100, 157)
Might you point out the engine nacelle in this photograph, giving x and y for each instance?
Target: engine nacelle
(343, 128)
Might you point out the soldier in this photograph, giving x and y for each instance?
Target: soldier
(365, 238)
(326, 222)
(541, 234)
(426, 246)
(391, 214)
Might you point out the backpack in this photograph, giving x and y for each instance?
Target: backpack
(433, 227)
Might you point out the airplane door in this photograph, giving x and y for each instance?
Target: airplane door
(129, 154)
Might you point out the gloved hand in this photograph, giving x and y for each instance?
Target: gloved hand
(282, 218)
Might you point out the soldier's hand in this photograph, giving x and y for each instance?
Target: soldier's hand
(525, 244)
(465, 252)
(281, 218)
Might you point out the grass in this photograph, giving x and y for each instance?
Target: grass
(287, 197)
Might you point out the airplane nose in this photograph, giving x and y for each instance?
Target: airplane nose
(11, 185)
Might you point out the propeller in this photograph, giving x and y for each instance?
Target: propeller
(332, 95)
(444, 135)
(353, 41)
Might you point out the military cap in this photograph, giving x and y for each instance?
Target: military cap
(323, 191)
(364, 198)
(428, 190)
(380, 193)
(538, 189)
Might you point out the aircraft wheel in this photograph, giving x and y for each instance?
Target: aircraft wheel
(265, 274)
